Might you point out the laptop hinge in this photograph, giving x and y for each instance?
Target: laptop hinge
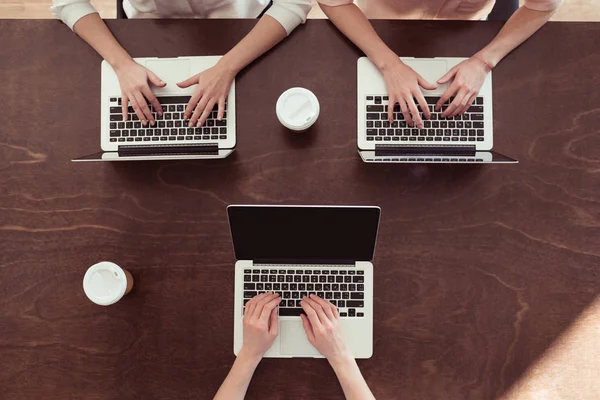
(438, 150)
(305, 263)
(168, 150)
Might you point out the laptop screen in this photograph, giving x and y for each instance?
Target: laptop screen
(296, 234)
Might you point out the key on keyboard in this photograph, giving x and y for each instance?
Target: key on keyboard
(173, 109)
(292, 285)
(435, 129)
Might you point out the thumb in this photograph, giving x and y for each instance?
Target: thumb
(155, 79)
(274, 325)
(449, 75)
(424, 84)
(192, 80)
(307, 328)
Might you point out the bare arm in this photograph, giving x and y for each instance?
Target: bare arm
(214, 83)
(133, 77)
(236, 384)
(401, 81)
(324, 331)
(520, 26)
(261, 327)
(469, 75)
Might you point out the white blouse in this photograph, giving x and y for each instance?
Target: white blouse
(289, 13)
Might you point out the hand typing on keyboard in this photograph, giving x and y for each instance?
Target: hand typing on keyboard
(260, 324)
(323, 328)
(213, 87)
(402, 84)
(468, 79)
(133, 79)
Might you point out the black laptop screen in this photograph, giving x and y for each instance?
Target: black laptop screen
(304, 234)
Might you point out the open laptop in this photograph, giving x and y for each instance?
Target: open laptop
(466, 138)
(170, 138)
(298, 250)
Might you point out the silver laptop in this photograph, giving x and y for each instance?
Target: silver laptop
(466, 138)
(170, 138)
(298, 250)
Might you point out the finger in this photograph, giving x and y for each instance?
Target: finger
(152, 99)
(261, 303)
(455, 105)
(144, 110)
(191, 105)
(198, 110)
(405, 112)
(446, 96)
(415, 113)
(274, 322)
(155, 79)
(469, 102)
(326, 305)
(425, 84)
(206, 113)
(307, 328)
(318, 309)
(192, 80)
(221, 109)
(136, 108)
(449, 75)
(124, 106)
(421, 99)
(462, 103)
(269, 307)
(251, 305)
(311, 314)
(390, 109)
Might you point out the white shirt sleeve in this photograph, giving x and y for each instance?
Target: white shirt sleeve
(70, 11)
(290, 13)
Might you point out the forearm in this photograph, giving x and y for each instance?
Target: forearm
(238, 379)
(353, 384)
(350, 20)
(265, 34)
(520, 26)
(94, 31)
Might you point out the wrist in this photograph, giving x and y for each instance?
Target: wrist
(341, 361)
(120, 62)
(486, 59)
(228, 66)
(387, 62)
(249, 357)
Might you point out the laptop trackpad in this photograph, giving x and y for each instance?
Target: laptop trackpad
(430, 70)
(293, 340)
(170, 71)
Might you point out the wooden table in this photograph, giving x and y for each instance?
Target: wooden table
(477, 269)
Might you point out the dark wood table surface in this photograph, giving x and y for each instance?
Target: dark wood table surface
(477, 269)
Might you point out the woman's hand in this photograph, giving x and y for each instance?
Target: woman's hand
(324, 329)
(468, 79)
(213, 88)
(260, 324)
(133, 79)
(402, 84)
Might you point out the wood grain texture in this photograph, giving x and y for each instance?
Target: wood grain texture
(477, 270)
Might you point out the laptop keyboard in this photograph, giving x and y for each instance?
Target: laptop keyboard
(171, 126)
(344, 288)
(468, 127)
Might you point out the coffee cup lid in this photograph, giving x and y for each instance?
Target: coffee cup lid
(105, 283)
(297, 108)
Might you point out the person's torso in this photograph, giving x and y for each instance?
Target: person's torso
(194, 8)
(426, 9)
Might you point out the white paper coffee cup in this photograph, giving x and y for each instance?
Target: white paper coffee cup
(297, 109)
(106, 283)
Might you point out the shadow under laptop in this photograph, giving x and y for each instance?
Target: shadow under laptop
(190, 174)
(377, 174)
